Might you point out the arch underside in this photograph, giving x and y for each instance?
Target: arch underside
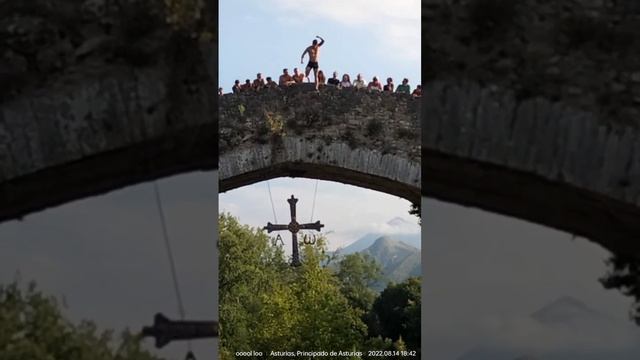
(297, 156)
(183, 151)
(613, 224)
(322, 172)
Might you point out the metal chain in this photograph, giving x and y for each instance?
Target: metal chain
(172, 263)
(273, 208)
(313, 207)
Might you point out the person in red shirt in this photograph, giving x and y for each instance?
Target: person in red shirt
(417, 92)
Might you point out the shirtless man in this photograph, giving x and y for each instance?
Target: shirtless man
(314, 52)
(297, 76)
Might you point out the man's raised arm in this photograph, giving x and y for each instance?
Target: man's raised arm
(321, 40)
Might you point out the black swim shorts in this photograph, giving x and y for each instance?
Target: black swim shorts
(313, 65)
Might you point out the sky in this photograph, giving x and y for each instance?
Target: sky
(372, 37)
(348, 212)
(485, 274)
(105, 255)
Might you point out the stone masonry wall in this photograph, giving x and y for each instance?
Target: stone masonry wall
(585, 53)
(374, 133)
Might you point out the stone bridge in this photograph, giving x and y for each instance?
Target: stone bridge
(97, 102)
(366, 139)
(531, 109)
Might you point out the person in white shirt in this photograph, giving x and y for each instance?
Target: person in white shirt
(359, 83)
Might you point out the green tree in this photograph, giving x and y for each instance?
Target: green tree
(399, 344)
(415, 209)
(325, 313)
(32, 327)
(249, 268)
(266, 305)
(357, 273)
(397, 311)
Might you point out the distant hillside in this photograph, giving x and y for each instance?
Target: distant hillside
(396, 228)
(398, 260)
(368, 240)
(586, 335)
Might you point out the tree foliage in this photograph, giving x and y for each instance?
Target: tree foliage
(415, 210)
(357, 274)
(266, 305)
(397, 310)
(624, 275)
(32, 326)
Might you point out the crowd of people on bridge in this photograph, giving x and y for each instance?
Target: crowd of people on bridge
(286, 79)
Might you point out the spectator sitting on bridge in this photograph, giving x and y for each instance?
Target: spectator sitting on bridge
(271, 84)
(321, 78)
(220, 93)
(358, 83)
(285, 78)
(246, 87)
(346, 81)
(374, 85)
(404, 88)
(389, 86)
(297, 76)
(236, 88)
(417, 92)
(334, 80)
(258, 83)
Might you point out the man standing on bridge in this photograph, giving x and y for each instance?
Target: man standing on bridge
(314, 52)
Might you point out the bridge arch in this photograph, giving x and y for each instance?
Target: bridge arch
(518, 121)
(365, 139)
(102, 126)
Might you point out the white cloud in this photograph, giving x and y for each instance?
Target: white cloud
(395, 23)
(348, 212)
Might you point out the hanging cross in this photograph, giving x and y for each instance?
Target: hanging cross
(293, 227)
(165, 330)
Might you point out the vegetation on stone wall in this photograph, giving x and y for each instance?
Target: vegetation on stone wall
(39, 38)
(565, 51)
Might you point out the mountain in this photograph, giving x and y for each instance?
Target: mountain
(368, 240)
(397, 228)
(566, 310)
(571, 330)
(398, 260)
(360, 244)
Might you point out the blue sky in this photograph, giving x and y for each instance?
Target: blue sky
(372, 37)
